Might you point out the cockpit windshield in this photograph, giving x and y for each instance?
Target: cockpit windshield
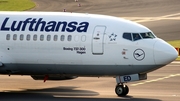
(138, 36)
(147, 35)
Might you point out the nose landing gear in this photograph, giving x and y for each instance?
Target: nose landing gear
(121, 90)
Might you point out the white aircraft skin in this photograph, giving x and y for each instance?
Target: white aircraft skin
(67, 45)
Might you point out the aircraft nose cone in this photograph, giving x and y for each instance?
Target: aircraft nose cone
(164, 53)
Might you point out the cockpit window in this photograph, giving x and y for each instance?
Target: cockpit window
(127, 36)
(136, 36)
(147, 35)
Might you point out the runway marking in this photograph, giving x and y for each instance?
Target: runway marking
(174, 65)
(147, 19)
(178, 62)
(155, 80)
(159, 79)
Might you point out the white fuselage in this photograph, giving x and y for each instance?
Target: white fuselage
(36, 43)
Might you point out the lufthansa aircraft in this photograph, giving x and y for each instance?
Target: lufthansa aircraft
(61, 46)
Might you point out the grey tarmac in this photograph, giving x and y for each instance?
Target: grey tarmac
(161, 85)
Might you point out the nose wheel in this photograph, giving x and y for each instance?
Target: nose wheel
(121, 90)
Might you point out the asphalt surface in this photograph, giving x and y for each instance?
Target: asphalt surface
(161, 16)
(161, 85)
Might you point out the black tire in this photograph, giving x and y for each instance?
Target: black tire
(122, 90)
(126, 90)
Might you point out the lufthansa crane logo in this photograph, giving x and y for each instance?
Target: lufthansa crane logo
(139, 54)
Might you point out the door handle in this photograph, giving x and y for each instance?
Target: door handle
(96, 38)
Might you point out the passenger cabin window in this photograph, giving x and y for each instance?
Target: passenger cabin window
(62, 37)
(48, 37)
(127, 36)
(8, 37)
(35, 37)
(136, 36)
(69, 38)
(15, 37)
(41, 37)
(55, 37)
(28, 37)
(21, 37)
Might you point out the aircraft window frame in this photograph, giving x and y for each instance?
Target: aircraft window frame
(48, 37)
(28, 37)
(21, 37)
(15, 37)
(147, 35)
(41, 37)
(8, 36)
(83, 38)
(55, 37)
(35, 37)
(69, 38)
(127, 37)
(62, 37)
(135, 37)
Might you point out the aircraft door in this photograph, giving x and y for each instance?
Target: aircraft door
(98, 40)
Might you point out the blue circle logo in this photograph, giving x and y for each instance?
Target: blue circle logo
(139, 54)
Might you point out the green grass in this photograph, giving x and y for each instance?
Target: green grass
(175, 43)
(16, 5)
